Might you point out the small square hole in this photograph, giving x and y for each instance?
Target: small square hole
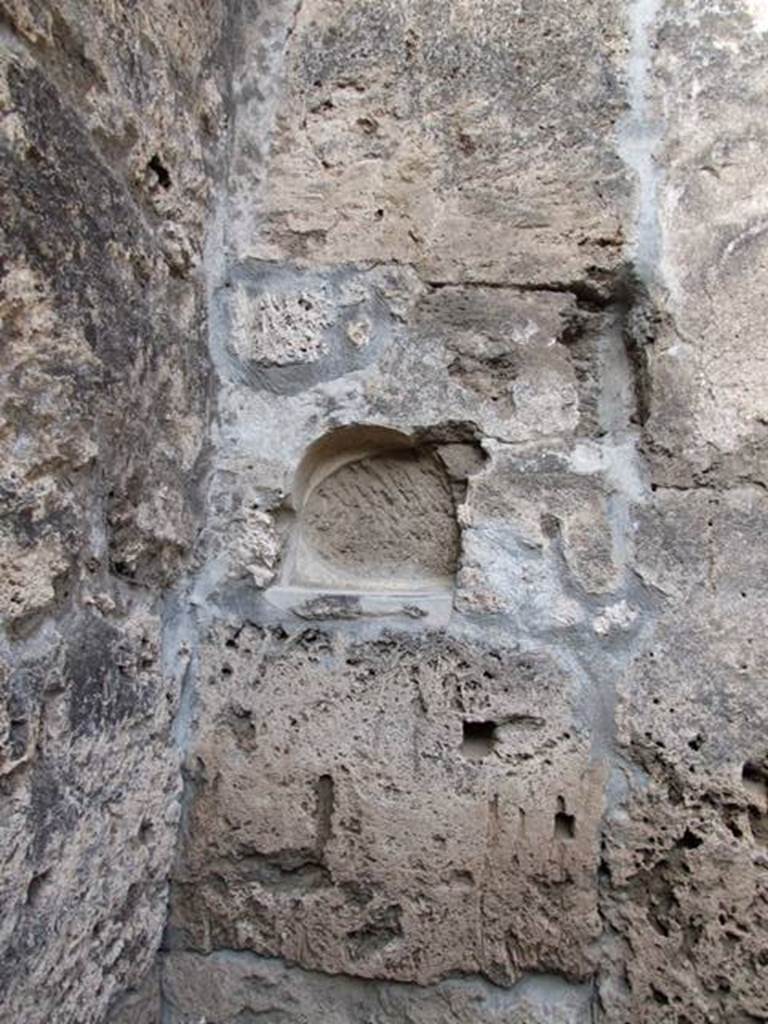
(478, 740)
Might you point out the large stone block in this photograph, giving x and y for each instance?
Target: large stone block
(459, 140)
(90, 793)
(225, 986)
(708, 373)
(401, 808)
(687, 855)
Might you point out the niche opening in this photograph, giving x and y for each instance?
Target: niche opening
(375, 525)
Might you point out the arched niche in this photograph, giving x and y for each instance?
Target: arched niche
(375, 525)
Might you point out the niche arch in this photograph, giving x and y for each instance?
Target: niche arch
(375, 516)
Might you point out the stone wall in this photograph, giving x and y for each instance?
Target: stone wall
(685, 895)
(112, 116)
(386, 435)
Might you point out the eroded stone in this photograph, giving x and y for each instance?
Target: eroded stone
(401, 856)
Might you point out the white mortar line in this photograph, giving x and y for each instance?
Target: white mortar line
(639, 136)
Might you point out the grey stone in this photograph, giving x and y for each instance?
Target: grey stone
(104, 382)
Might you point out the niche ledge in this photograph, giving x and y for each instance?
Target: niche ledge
(432, 608)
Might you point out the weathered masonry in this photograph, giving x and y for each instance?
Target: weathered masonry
(383, 512)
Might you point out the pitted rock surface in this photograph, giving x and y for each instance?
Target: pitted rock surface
(382, 843)
(382, 512)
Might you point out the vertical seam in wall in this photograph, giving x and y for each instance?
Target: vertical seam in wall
(184, 610)
(639, 136)
(182, 618)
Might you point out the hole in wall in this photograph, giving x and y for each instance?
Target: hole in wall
(325, 795)
(146, 831)
(659, 997)
(690, 841)
(478, 740)
(161, 171)
(18, 737)
(550, 526)
(734, 829)
(565, 824)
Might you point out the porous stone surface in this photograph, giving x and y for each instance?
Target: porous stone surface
(381, 843)
(383, 545)
(687, 855)
(225, 984)
(708, 400)
(403, 132)
(109, 116)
